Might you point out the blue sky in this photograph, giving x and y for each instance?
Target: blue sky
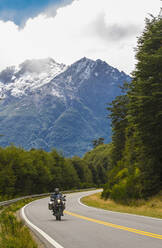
(19, 11)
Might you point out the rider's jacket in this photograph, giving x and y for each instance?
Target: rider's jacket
(55, 196)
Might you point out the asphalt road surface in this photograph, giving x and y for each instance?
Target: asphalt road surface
(87, 227)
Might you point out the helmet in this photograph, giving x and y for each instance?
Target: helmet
(56, 190)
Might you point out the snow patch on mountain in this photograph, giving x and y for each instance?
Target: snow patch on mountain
(49, 77)
(29, 76)
(50, 105)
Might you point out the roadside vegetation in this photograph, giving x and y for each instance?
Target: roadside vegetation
(151, 207)
(136, 149)
(13, 232)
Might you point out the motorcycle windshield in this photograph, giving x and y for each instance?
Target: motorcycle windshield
(58, 196)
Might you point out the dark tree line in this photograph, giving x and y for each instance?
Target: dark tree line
(36, 171)
(136, 169)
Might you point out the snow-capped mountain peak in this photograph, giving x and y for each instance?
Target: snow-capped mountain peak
(28, 76)
(50, 105)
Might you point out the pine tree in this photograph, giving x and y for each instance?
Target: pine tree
(118, 115)
(137, 124)
(145, 109)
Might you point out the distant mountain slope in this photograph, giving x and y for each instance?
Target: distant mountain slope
(48, 105)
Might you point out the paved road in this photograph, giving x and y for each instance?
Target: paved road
(86, 227)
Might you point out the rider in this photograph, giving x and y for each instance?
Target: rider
(58, 194)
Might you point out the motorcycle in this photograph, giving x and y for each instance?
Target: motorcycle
(57, 206)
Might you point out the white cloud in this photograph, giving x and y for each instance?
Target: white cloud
(105, 29)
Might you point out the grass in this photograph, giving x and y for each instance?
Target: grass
(13, 232)
(151, 207)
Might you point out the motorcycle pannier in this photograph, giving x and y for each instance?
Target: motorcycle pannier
(50, 205)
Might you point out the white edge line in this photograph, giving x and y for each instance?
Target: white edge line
(46, 236)
(135, 215)
(84, 204)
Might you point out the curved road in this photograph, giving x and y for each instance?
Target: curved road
(87, 227)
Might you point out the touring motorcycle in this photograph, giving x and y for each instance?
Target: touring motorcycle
(57, 205)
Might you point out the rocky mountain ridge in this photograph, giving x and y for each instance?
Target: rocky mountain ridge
(47, 105)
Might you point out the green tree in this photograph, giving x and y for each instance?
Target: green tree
(97, 142)
(137, 169)
(83, 171)
(118, 114)
(98, 161)
(145, 105)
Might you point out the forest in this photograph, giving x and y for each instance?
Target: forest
(36, 171)
(136, 158)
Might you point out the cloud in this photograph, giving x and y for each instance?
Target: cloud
(51, 9)
(105, 29)
(115, 31)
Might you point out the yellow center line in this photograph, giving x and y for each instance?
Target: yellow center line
(153, 235)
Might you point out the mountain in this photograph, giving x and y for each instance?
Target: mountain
(49, 105)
